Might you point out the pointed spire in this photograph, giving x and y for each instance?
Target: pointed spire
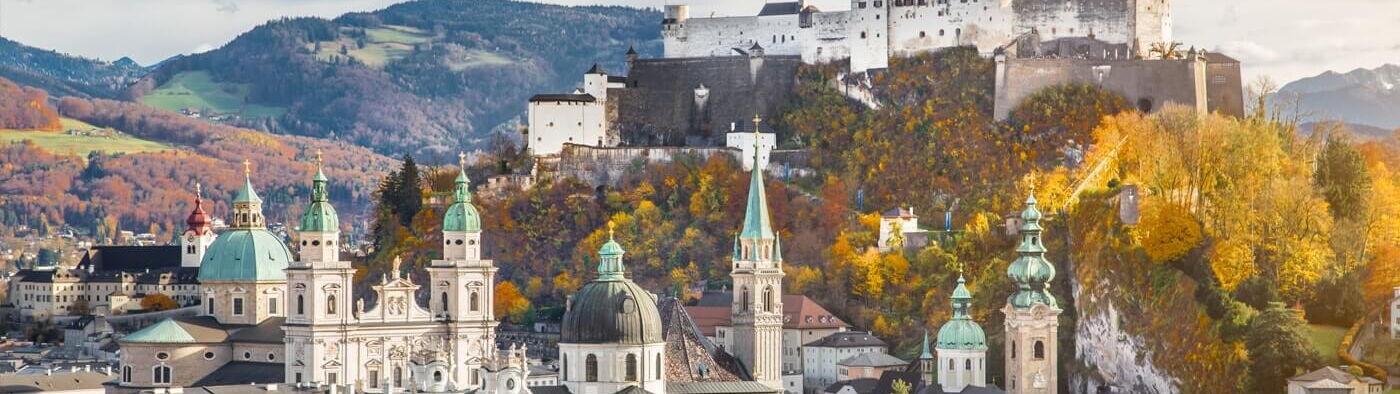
(926, 354)
(1031, 272)
(247, 194)
(610, 257)
(756, 221)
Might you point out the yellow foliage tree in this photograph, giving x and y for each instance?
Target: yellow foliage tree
(158, 302)
(509, 302)
(1168, 231)
(1232, 261)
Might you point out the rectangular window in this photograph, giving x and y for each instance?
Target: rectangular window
(238, 306)
(298, 378)
(330, 378)
(272, 306)
(374, 378)
(211, 305)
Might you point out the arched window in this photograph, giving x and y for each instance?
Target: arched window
(444, 302)
(564, 366)
(658, 366)
(211, 305)
(950, 365)
(744, 299)
(1013, 350)
(475, 302)
(631, 367)
(301, 304)
(160, 374)
(398, 376)
(590, 368)
(126, 374)
(967, 364)
(1039, 350)
(330, 304)
(768, 299)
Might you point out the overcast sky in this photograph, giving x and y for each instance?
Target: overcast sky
(1285, 39)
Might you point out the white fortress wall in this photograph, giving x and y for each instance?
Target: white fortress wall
(826, 40)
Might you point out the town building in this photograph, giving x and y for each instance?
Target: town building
(868, 366)
(579, 117)
(872, 31)
(1032, 314)
(1330, 380)
(820, 357)
(899, 229)
(113, 279)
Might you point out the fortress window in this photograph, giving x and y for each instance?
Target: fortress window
(860, 5)
(878, 4)
(862, 34)
(923, 34)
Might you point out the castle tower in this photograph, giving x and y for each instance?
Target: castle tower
(962, 346)
(198, 233)
(320, 291)
(757, 273)
(1032, 316)
(242, 275)
(868, 31)
(595, 83)
(462, 284)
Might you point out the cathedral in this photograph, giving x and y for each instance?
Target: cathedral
(271, 316)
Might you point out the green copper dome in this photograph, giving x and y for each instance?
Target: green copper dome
(166, 331)
(961, 333)
(611, 309)
(320, 216)
(253, 254)
(1031, 272)
(461, 216)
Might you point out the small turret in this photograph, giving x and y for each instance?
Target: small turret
(247, 206)
(198, 232)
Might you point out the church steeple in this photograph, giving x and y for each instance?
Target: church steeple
(320, 226)
(1031, 272)
(756, 221)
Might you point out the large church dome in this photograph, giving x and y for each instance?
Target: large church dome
(247, 251)
(612, 309)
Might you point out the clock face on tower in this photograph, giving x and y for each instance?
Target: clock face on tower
(189, 238)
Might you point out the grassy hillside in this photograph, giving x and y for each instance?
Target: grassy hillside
(80, 139)
(1326, 339)
(199, 91)
(426, 77)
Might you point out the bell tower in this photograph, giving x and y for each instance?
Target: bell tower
(463, 284)
(1032, 315)
(757, 273)
(198, 233)
(319, 287)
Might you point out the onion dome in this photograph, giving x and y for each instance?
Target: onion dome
(461, 216)
(320, 216)
(961, 333)
(1031, 272)
(198, 221)
(246, 252)
(611, 309)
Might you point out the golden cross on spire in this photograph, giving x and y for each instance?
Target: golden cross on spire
(756, 121)
(318, 158)
(247, 169)
(611, 226)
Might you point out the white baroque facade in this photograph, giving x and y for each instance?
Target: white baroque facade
(874, 30)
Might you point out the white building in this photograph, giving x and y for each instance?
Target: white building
(747, 143)
(896, 227)
(872, 31)
(820, 358)
(1395, 315)
(1330, 380)
(575, 118)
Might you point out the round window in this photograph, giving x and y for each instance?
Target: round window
(271, 357)
(208, 355)
(303, 243)
(162, 355)
(471, 242)
(316, 243)
(446, 242)
(247, 355)
(510, 384)
(459, 242)
(437, 376)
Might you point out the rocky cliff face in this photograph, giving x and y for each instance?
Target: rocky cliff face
(1112, 357)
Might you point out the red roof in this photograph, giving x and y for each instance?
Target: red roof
(799, 312)
(198, 222)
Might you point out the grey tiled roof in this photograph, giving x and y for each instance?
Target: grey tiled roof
(244, 373)
(745, 387)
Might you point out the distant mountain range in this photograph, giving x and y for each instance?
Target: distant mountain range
(65, 75)
(1361, 97)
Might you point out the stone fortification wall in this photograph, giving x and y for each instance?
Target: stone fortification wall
(661, 105)
(608, 166)
(1147, 84)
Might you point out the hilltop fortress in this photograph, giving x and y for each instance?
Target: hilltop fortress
(874, 30)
